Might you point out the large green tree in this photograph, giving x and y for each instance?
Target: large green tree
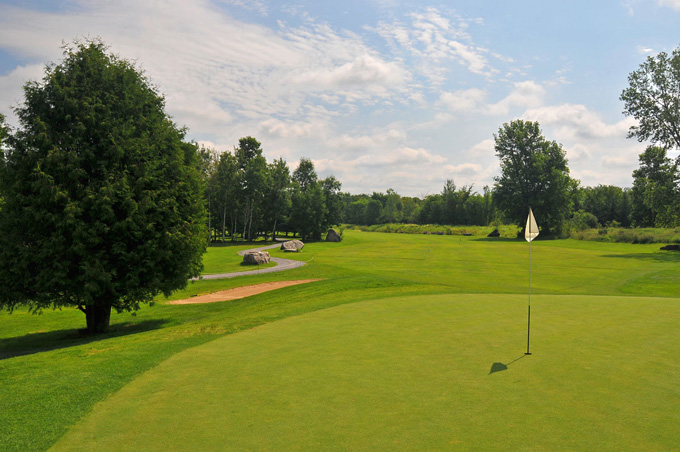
(653, 98)
(277, 197)
(102, 202)
(534, 173)
(223, 189)
(309, 212)
(252, 173)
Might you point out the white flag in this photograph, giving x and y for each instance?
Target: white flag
(531, 230)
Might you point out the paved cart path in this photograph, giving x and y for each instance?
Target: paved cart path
(281, 265)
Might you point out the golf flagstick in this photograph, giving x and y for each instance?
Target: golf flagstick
(530, 233)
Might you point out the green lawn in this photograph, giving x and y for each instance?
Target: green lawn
(604, 352)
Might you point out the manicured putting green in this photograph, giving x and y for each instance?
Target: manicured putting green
(443, 372)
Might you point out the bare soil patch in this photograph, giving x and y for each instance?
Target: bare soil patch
(240, 292)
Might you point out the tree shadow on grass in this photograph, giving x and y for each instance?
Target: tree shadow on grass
(498, 366)
(32, 343)
(666, 256)
(497, 239)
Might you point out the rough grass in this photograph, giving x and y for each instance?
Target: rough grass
(507, 231)
(53, 377)
(632, 235)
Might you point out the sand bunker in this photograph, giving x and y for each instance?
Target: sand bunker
(240, 292)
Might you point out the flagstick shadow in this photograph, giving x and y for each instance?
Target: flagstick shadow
(497, 367)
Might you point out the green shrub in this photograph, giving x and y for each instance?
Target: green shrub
(583, 220)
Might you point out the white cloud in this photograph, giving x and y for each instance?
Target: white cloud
(366, 143)
(252, 5)
(674, 4)
(642, 50)
(433, 40)
(400, 157)
(524, 95)
(578, 122)
(462, 101)
(467, 169)
(292, 129)
(11, 93)
(483, 148)
(578, 152)
(364, 70)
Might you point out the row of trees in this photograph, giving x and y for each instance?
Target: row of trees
(248, 197)
(460, 206)
(592, 207)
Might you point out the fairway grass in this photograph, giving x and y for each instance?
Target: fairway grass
(418, 373)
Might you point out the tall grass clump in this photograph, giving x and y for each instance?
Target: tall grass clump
(628, 235)
(507, 231)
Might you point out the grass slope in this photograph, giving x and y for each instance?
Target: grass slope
(52, 377)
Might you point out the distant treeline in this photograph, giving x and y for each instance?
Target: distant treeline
(593, 206)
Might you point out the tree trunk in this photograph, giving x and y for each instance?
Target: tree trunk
(224, 223)
(245, 221)
(98, 317)
(274, 230)
(250, 223)
(209, 222)
(234, 224)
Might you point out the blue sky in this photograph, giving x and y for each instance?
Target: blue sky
(380, 93)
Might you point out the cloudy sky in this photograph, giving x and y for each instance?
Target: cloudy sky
(381, 93)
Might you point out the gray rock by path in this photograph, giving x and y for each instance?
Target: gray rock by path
(333, 236)
(256, 258)
(292, 246)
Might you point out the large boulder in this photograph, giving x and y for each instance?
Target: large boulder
(333, 236)
(256, 258)
(292, 246)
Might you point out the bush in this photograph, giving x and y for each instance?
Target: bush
(583, 220)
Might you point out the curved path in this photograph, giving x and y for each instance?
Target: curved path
(281, 265)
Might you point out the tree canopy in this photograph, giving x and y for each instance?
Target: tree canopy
(101, 196)
(655, 193)
(653, 98)
(534, 173)
(4, 130)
